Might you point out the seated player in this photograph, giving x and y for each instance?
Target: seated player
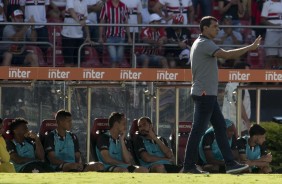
(112, 148)
(209, 152)
(252, 150)
(62, 147)
(26, 150)
(153, 151)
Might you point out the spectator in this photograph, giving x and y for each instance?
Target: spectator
(134, 8)
(156, 37)
(94, 9)
(114, 12)
(16, 54)
(228, 36)
(112, 147)
(153, 151)
(182, 37)
(147, 11)
(37, 10)
(205, 7)
(2, 18)
(62, 147)
(174, 8)
(26, 150)
(56, 10)
(255, 13)
(271, 15)
(9, 7)
(252, 150)
(210, 154)
(229, 108)
(232, 8)
(72, 36)
(5, 164)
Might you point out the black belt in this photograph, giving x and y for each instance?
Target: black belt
(274, 18)
(176, 11)
(34, 4)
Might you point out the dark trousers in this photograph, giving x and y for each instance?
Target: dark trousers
(70, 49)
(42, 36)
(206, 109)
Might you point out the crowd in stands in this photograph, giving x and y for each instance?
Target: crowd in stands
(56, 148)
(115, 53)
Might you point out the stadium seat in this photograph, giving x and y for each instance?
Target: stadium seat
(6, 129)
(36, 50)
(256, 58)
(59, 57)
(58, 29)
(91, 58)
(215, 10)
(100, 126)
(184, 129)
(46, 126)
(134, 128)
(194, 34)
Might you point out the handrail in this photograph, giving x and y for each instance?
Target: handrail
(138, 25)
(133, 44)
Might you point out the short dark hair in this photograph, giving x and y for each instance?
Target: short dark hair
(257, 130)
(62, 115)
(115, 117)
(206, 21)
(145, 118)
(17, 122)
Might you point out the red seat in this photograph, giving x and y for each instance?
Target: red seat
(105, 58)
(134, 128)
(256, 58)
(100, 126)
(46, 126)
(91, 58)
(58, 29)
(184, 129)
(6, 129)
(36, 50)
(194, 34)
(215, 10)
(59, 62)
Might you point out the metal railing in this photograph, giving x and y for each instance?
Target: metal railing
(134, 43)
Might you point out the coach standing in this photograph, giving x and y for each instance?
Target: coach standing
(204, 54)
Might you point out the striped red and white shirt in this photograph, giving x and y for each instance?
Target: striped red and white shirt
(115, 15)
(176, 7)
(149, 33)
(14, 2)
(272, 11)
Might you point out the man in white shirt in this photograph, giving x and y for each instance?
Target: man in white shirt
(174, 8)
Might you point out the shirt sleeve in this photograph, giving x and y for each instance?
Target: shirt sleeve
(208, 140)
(70, 4)
(11, 147)
(139, 146)
(103, 12)
(22, 2)
(164, 141)
(139, 7)
(49, 144)
(265, 9)
(75, 142)
(210, 48)
(241, 143)
(103, 142)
